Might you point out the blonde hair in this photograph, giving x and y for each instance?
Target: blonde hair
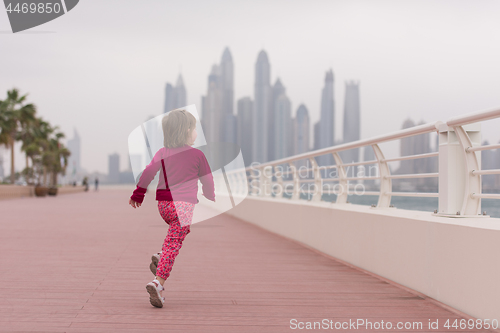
(177, 127)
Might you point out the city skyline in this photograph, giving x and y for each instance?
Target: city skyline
(282, 129)
(273, 128)
(97, 76)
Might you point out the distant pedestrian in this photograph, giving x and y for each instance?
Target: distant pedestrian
(96, 183)
(184, 165)
(85, 182)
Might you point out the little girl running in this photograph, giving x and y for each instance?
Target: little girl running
(176, 193)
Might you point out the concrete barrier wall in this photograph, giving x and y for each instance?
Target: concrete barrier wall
(16, 191)
(453, 260)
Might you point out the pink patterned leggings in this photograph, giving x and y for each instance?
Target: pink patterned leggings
(178, 214)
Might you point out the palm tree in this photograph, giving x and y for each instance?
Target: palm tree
(29, 138)
(55, 156)
(3, 125)
(41, 147)
(61, 161)
(14, 116)
(33, 139)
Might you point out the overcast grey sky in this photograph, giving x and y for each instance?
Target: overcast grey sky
(102, 67)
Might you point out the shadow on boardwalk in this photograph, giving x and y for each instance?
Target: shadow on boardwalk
(80, 263)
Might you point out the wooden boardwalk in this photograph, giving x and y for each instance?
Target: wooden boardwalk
(80, 263)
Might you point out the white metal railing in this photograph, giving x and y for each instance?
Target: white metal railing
(456, 132)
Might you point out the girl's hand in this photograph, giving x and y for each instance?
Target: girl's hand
(133, 203)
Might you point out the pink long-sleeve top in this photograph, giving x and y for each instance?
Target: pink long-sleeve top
(182, 167)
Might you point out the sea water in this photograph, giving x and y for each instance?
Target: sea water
(426, 204)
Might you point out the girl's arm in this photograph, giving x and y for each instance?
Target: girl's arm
(206, 178)
(133, 203)
(147, 176)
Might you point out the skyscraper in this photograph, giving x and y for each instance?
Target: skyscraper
(175, 97)
(212, 106)
(352, 123)
(218, 119)
(282, 127)
(244, 132)
(227, 82)
(368, 154)
(262, 108)
(407, 148)
(277, 90)
(316, 135)
(217, 106)
(326, 125)
(370, 170)
(301, 134)
(180, 93)
(113, 168)
(228, 128)
(169, 98)
(74, 159)
(414, 145)
(228, 119)
(422, 146)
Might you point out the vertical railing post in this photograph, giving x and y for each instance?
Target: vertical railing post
(296, 182)
(384, 199)
(262, 183)
(265, 179)
(343, 183)
(457, 183)
(279, 180)
(254, 180)
(317, 180)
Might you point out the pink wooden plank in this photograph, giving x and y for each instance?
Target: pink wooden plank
(80, 263)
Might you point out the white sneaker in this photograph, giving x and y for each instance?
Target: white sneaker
(155, 259)
(154, 288)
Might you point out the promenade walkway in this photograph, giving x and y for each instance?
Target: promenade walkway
(80, 263)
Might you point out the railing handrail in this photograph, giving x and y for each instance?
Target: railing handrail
(474, 117)
(466, 189)
(419, 129)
